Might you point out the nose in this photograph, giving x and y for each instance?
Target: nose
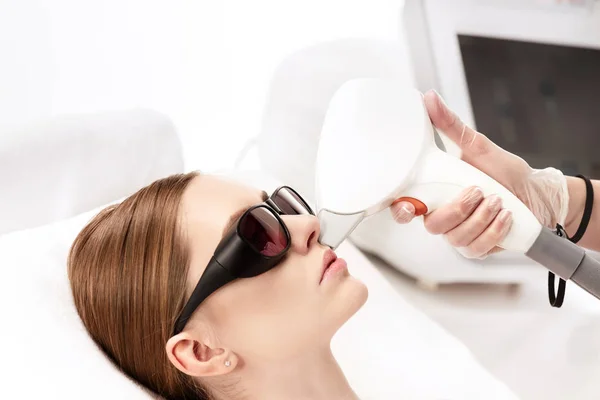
(304, 230)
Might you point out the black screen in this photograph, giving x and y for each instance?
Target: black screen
(536, 100)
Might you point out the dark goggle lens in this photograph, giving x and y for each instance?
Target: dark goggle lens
(263, 231)
(290, 203)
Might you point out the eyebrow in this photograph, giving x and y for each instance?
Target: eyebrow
(236, 215)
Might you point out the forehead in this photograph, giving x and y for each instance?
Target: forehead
(207, 205)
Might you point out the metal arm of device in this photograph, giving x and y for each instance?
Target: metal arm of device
(566, 260)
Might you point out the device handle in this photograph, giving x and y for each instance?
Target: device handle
(440, 179)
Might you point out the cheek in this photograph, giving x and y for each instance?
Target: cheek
(271, 315)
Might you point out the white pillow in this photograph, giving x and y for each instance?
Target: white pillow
(388, 350)
(46, 351)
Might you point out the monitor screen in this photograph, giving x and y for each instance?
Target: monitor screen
(539, 101)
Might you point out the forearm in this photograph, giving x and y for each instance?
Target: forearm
(577, 194)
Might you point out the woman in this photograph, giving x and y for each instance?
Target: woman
(200, 288)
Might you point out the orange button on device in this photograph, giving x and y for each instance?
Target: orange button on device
(420, 207)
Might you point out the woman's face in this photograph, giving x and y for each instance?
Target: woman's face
(278, 314)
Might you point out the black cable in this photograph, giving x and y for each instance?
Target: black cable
(556, 298)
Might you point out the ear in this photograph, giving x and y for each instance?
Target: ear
(194, 356)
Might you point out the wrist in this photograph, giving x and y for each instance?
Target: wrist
(577, 191)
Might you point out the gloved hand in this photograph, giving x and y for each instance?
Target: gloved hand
(475, 225)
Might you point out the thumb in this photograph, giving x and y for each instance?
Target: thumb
(472, 143)
(403, 212)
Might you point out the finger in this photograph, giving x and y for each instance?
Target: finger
(403, 212)
(465, 252)
(451, 215)
(495, 250)
(471, 142)
(465, 233)
(492, 236)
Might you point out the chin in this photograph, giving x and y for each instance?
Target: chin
(360, 294)
(350, 297)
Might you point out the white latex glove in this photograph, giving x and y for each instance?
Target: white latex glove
(474, 224)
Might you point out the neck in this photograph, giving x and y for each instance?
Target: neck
(309, 376)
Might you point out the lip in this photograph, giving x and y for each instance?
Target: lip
(329, 259)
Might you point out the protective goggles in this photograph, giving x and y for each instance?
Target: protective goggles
(256, 243)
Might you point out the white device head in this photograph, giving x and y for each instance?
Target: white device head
(376, 146)
(371, 125)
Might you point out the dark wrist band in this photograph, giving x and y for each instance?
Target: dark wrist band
(587, 210)
(556, 298)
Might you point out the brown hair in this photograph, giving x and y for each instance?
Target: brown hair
(128, 271)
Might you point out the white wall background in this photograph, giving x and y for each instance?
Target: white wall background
(204, 63)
